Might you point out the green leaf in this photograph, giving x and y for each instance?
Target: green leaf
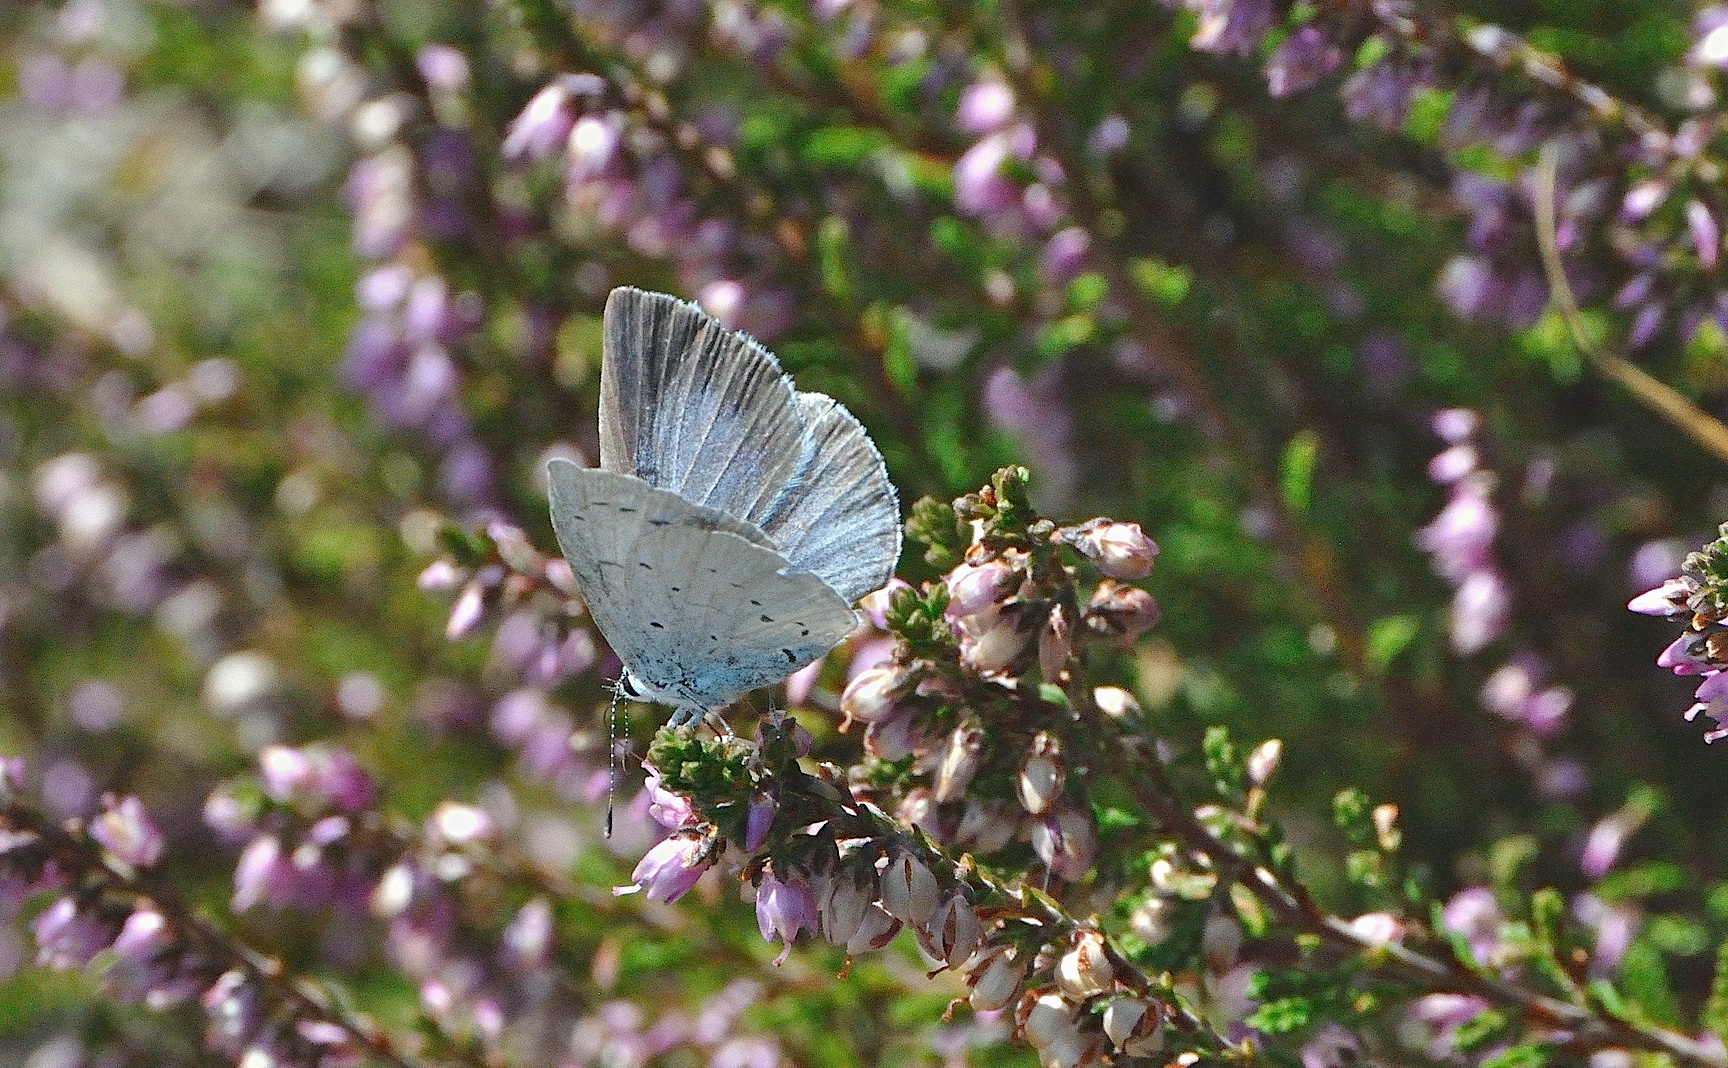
(1715, 1012)
(833, 253)
(1296, 483)
(1159, 281)
(841, 146)
(1386, 638)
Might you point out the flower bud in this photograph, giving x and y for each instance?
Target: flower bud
(1085, 970)
(1065, 842)
(995, 979)
(1135, 1027)
(1378, 928)
(869, 698)
(126, 831)
(1123, 612)
(466, 613)
(973, 588)
(1046, 1018)
(908, 890)
(1115, 702)
(985, 826)
(461, 825)
(1263, 762)
(1220, 943)
(994, 641)
(1119, 550)
(1055, 644)
(954, 932)
(840, 912)
(1151, 921)
(1669, 599)
(959, 762)
(1386, 832)
(668, 871)
(875, 930)
(894, 738)
(758, 820)
(1041, 777)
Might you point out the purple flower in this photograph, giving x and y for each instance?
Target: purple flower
(985, 107)
(1480, 609)
(1706, 233)
(68, 936)
(783, 909)
(758, 821)
(669, 810)
(1300, 61)
(1331, 1046)
(1380, 95)
(980, 187)
(125, 830)
(1230, 26)
(1685, 655)
(1475, 914)
(670, 869)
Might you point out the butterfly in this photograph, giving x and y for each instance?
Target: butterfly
(733, 520)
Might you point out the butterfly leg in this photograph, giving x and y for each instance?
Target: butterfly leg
(686, 715)
(717, 723)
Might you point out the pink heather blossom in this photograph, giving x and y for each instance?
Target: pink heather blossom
(670, 869)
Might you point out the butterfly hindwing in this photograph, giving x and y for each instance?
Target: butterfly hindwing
(695, 610)
(841, 519)
(691, 407)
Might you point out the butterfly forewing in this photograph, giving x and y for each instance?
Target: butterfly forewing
(841, 518)
(696, 611)
(690, 407)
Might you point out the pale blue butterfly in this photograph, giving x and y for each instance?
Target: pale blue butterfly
(732, 521)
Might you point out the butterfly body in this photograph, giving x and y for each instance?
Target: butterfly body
(732, 521)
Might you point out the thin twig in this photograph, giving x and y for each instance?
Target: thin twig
(1648, 390)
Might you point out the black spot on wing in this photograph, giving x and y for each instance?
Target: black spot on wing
(791, 658)
(657, 626)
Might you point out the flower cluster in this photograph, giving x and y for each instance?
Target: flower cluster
(1698, 595)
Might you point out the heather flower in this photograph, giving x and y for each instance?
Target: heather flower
(974, 588)
(758, 821)
(1669, 599)
(1134, 1026)
(668, 871)
(985, 107)
(1474, 914)
(1331, 1046)
(995, 978)
(125, 830)
(1122, 612)
(1119, 550)
(1041, 776)
(1300, 61)
(1085, 969)
(69, 936)
(783, 908)
(908, 890)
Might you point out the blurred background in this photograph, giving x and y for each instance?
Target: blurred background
(289, 291)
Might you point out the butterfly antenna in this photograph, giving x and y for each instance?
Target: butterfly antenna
(611, 757)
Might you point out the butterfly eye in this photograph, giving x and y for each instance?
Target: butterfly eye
(627, 687)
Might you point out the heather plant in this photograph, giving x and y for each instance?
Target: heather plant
(1286, 401)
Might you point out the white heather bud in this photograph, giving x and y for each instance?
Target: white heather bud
(1121, 550)
(1386, 831)
(955, 932)
(876, 930)
(1379, 928)
(908, 890)
(995, 978)
(985, 826)
(893, 739)
(1134, 1027)
(1047, 1019)
(1263, 762)
(975, 588)
(1055, 644)
(1115, 702)
(959, 762)
(997, 642)
(869, 698)
(1220, 943)
(1040, 781)
(841, 911)
(1085, 970)
(1151, 921)
(1073, 1051)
